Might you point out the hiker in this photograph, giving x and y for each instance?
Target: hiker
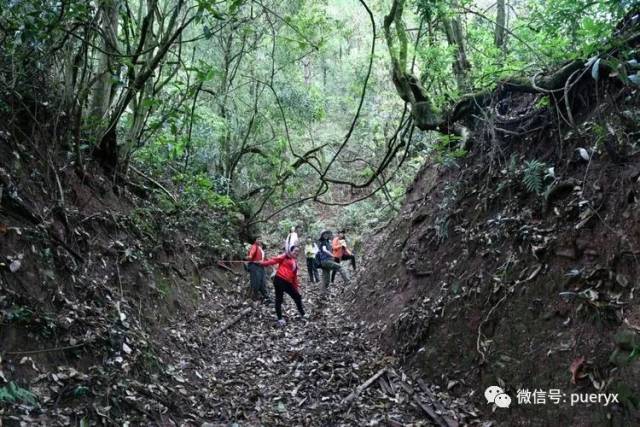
(325, 258)
(256, 271)
(310, 251)
(286, 281)
(292, 239)
(341, 252)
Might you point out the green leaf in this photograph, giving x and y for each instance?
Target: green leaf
(235, 5)
(533, 176)
(13, 393)
(80, 391)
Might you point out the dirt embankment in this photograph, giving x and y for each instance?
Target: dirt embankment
(520, 266)
(90, 273)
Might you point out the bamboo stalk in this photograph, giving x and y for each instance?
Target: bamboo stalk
(233, 321)
(347, 400)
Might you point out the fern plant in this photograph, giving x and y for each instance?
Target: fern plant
(533, 178)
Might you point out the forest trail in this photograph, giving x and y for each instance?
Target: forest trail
(257, 373)
(485, 156)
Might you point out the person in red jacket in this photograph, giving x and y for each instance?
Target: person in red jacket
(341, 252)
(286, 280)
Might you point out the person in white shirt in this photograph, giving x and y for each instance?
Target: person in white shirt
(292, 239)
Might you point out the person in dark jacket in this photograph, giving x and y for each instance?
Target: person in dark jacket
(325, 258)
(286, 281)
(256, 271)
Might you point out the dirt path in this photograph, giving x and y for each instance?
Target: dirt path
(193, 373)
(255, 372)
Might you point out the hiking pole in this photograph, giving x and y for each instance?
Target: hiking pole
(221, 264)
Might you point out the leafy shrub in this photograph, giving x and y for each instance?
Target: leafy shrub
(18, 314)
(447, 150)
(201, 188)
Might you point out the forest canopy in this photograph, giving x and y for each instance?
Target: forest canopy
(260, 105)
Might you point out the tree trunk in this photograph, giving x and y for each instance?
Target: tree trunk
(306, 70)
(225, 137)
(108, 46)
(455, 38)
(501, 23)
(69, 73)
(324, 73)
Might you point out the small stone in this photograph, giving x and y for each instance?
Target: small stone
(591, 253)
(566, 253)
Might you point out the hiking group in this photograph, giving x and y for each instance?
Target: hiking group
(326, 254)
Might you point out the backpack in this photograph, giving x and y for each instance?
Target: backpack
(322, 255)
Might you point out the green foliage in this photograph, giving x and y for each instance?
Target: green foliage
(627, 395)
(142, 221)
(18, 314)
(362, 217)
(445, 207)
(570, 27)
(303, 104)
(202, 188)
(510, 174)
(437, 73)
(541, 34)
(285, 225)
(442, 228)
(163, 284)
(543, 102)
(600, 133)
(245, 91)
(80, 391)
(12, 393)
(34, 24)
(533, 176)
(447, 150)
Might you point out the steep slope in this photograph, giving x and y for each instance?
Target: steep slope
(90, 273)
(519, 266)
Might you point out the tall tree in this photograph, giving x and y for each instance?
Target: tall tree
(455, 36)
(107, 53)
(500, 27)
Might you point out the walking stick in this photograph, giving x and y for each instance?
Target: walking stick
(221, 264)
